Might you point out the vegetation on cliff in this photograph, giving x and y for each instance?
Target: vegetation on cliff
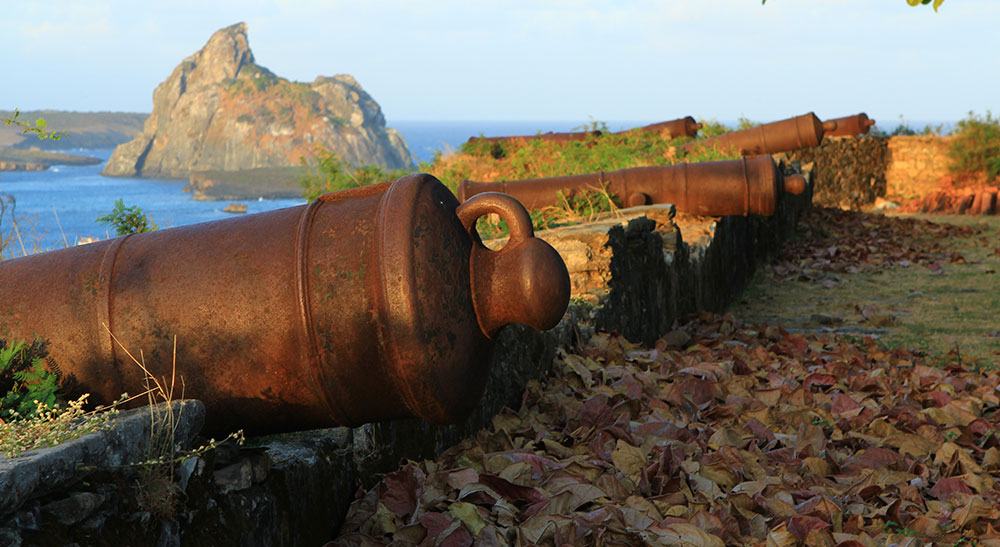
(219, 110)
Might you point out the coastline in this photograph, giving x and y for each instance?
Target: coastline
(12, 159)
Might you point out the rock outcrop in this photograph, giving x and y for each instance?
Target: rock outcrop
(219, 110)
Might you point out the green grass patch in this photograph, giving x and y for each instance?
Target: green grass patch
(950, 313)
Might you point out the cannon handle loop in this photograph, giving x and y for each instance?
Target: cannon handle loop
(508, 208)
(523, 282)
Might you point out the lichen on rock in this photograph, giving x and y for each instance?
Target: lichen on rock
(219, 110)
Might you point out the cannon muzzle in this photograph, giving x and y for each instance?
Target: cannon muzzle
(682, 127)
(770, 138)
(369, 304)
(716, 188)
(858, 124)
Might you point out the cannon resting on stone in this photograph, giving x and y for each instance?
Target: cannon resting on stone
(858, 124)
(369, 304)
(682, 127)
(717, 188)
(803, 131)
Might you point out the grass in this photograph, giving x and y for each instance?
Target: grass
(51, 426)
(156, 489)
(537, 158)
(950, 313)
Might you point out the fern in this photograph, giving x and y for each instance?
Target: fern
(24, 380)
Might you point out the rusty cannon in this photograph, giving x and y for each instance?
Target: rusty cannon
(858, 124)
(369, 304)
(803, 131)
(681, 127)
(717, 188)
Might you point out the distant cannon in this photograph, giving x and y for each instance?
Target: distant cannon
(803, 131)
(717, 188)
(369, 304)
(682, 127)
(858, 124)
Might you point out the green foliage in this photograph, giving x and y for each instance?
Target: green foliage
(937, 3)
(573, 209)
(24, 381)
(331, 174)
(256, 80)
(976, 146)
(538, 158)
(593, 126)
(128, 220)
(745, 123)
(50, 426)
(712, 128)
(40, 128)
(484, 148)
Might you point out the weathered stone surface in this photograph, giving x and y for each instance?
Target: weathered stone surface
(848, 172)
(219, 110)
(73, 509)
(916, 165)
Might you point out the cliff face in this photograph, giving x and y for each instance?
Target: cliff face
(219, 110)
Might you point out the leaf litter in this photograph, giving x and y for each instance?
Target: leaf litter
(748, 435)
(833, 241)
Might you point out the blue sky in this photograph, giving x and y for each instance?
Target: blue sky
(533, 60)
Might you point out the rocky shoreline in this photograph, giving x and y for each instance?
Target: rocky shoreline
(39, 160)
(261, 183)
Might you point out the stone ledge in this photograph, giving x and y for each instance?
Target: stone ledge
(38, 472)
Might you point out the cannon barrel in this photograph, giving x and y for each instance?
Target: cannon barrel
(681, 127)
(368, 304)
(803, 131)
(858, 124)
(716, 188)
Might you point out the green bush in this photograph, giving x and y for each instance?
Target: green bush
(24, 381)
(975, 147)
(128, 220)
(331, 174)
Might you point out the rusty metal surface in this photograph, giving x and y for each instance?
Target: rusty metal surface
(718, 188)
(803, 131)
(682, 127)
(858, 124)
(365, 305)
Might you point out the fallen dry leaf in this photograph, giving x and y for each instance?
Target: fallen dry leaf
(748, 435)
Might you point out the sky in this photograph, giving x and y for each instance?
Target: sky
(580, 60)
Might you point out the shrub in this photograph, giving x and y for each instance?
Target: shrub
(975, 147)
(128, 220)
(331, 174)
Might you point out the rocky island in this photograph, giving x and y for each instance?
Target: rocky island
(221, 113)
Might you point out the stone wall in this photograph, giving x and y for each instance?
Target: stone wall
(636, 272)
(852, 172)
(849, 172)
(917, 165)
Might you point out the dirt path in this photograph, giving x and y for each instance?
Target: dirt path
(902, 281)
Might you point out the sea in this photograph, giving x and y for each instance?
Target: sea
(59, 207)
